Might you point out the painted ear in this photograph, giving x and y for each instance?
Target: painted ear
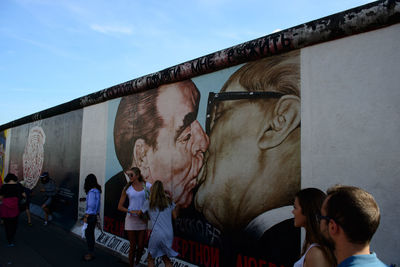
(140, 154)
(140, 157)
(285, 119)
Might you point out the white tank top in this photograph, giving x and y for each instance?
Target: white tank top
(300, 262)
(136, 198)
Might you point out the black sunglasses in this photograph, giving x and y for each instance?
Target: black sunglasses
(214, 98)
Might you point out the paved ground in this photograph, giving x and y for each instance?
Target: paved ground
(49, 246)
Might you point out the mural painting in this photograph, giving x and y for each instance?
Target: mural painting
(157, 131)
(222, 132)
(50, 145)
(235, 184)
(32, 159)
(3, 136)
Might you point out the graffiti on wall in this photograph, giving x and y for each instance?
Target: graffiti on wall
(3, 136)
(51, 145)
(234, 184)
(32, 159)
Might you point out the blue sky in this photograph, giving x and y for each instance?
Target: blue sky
(53, 51)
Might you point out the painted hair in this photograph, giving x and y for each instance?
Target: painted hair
(279, 74)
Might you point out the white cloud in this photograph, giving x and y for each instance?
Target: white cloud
(111, 29)
(277, 30)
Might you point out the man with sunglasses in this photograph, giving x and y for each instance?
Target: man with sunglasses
(252, 168)
(349, 218)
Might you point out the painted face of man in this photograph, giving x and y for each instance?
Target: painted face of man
(181, 142)
(240, 180)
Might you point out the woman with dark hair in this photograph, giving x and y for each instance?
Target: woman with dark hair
(93, 191)
(137, 190)
(160, 208)
(306, 208)
(10, 194)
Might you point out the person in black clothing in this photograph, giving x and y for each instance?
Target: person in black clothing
(10, 194)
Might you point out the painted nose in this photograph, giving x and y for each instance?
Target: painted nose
(200, 138)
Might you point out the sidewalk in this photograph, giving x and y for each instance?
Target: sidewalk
(49, 246)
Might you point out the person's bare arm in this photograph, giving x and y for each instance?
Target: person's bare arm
(122, 201)
(316, 258)
(121, 204)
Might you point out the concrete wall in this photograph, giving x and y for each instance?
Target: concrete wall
(93, 148)
(351, 122)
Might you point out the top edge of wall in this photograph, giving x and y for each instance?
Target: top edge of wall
(364, 18)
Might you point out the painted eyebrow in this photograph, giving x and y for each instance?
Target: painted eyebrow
(187, 120)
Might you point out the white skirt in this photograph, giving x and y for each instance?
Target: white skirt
(134, 223)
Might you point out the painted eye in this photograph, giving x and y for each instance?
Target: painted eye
(187, 137)
(217, 116)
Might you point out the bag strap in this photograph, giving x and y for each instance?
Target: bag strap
(154, 224)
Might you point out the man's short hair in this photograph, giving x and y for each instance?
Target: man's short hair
(355, 210)
(279, 74)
